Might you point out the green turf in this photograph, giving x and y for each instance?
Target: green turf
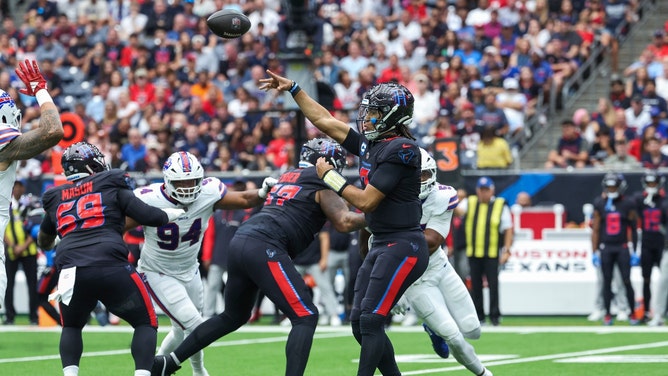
(521, 346)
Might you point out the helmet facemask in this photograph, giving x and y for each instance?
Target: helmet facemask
(183, 176)
(9, 111)
(428, 174)
(374, 115)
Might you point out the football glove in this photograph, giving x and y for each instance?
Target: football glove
(31, 76)
(635, 259)
(267, 184)
(401, 307)
(596, 259)
(173, 213)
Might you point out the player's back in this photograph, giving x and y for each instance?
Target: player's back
(89, 219)
(172, 249)
(291, 216)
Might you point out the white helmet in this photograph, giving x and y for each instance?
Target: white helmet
(182, 166)
(9, 111)
(428, 175)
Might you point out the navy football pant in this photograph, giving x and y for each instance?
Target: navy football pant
(612, 254)
(649, 258)
(122, 291)
(255, 265)
(387, 271)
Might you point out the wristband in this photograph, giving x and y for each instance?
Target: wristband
(42, 97)
(294, 89)
(335, 181)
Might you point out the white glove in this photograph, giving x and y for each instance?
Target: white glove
(267, 183)
(173, 213)
(401, 307)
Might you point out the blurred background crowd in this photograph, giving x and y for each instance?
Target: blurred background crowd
(148, 77)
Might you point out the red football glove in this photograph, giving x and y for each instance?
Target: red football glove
(29, 73)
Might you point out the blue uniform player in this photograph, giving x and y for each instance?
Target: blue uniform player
(260, 259)
(612, 226)
(89, 216)
(390, 177)
(652, 208)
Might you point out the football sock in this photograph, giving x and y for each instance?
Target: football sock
(377, 350)
(71, 345)
(142, 372)
(71, 371)
(171, 341)
(205, 334)
(143, 346)
(298, 347)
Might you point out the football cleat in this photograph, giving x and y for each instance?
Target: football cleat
(655, 321)
(440, 347)
(622, 316)
(164, 365)
(596, 315)
(607, 320)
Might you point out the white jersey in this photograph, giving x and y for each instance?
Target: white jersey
(437, 209)
(7, 179)
(172, 249)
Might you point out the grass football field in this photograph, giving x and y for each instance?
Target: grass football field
(520, 346)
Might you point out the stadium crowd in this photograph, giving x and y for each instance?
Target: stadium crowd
(148, 77)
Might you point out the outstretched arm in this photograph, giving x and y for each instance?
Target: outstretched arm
(316, 113)
(246, 199)
(50, 130)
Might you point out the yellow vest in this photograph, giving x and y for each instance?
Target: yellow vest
(482, 228)
(17, 234)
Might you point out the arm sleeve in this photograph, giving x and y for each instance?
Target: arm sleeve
(208, 241)
(506, 219)
(141, 212)
(352, 142)
(47, 226)
(388, 175)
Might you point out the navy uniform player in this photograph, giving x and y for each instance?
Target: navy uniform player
(89, 216)
(168, 261)
(390, 177)
(260, 258)
(651, 208)
(439, 297)
(614, 219)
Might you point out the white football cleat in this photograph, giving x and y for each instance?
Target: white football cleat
(622, 316)
(335, 320)
(596, 315)
(655, 321)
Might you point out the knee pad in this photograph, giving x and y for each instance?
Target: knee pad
(470, 327)
(422, 304)
(310, 321)
(371, 323)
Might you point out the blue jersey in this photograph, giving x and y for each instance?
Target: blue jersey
(392, 166)
(290, 217)
(89, 216)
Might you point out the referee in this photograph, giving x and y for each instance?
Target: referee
(489, 235)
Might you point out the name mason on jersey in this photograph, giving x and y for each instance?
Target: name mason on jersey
(69, 193)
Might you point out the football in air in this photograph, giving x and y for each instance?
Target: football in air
(228, 23)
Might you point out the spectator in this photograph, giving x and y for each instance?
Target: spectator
(621, 160)
(602, 148)
(135, 150)
(426, 108)
(493, 151)
(354, 62)
(42, 13)
(652, 158)
(51, 49)
(637, 84)
(616, 12)
(346, 90)
(571, 150)
(328, 69)
(280, 150)
(637, 116)
(513, 103)
(469, 130)
(652, 99)
(649, 62)
(523, 199)
(618, 95)
(134, 22)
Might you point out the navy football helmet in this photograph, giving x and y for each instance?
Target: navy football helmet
(322, 147)
(82, 159)
(387, 106)
(614, 184)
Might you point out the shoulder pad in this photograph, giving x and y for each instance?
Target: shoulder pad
(401, 151)
(446, 194)
(213, 185)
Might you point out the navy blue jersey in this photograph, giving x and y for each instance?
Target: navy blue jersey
(392, 166)
(652, 218)
(226, 224)
(290, 217)
(89, 216)
(615, 221)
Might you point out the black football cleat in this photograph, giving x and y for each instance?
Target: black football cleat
(164, 366)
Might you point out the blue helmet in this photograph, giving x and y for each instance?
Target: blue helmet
(390, 106)
(82, 159)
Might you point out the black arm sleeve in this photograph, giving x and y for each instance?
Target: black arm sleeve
(388, 175)
(47, 226)
(141, 212)
(352, 142)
